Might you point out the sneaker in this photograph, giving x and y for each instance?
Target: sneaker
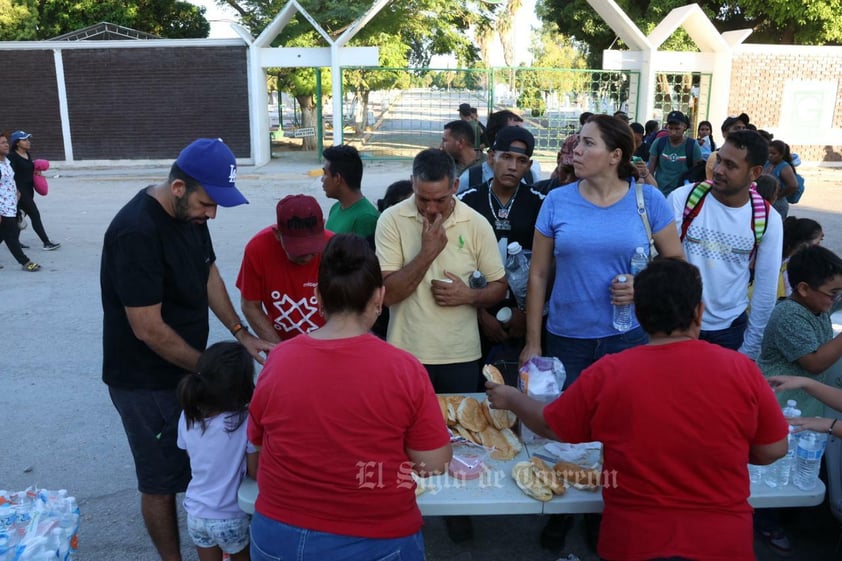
(555, 531)
(777, 541)
(460, 529)
(49, 246)
(31, 266)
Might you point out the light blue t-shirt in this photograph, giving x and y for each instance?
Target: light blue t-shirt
(592, 245)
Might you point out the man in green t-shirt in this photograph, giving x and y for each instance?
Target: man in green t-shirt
(341, 180)
(670, 157)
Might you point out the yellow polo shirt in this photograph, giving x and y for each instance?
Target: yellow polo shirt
(437, 334)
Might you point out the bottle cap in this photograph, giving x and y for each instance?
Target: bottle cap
(476, 274)
(622, 278)
(514, 248)
(639, 249)
(504, 315)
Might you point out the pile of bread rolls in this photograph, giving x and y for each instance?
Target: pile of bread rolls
(479, 423)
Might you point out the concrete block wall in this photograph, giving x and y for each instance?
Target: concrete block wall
(139, 103)
(757, 88)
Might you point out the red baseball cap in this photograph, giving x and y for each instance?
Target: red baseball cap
(301, 225)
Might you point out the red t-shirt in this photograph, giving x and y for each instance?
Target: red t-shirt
(334, 418)
(287, 290)
(676, 422)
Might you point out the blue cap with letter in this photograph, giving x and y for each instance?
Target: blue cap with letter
(210, 162)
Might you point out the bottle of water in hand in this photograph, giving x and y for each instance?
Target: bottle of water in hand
(639, 261)
(622, 319)
(517, 273)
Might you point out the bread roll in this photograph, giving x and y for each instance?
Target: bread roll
(453, 402)
(524, 475)
(548, 476)
(470, 415)
(505, 443)
(443, 406)
(500, 418)
(492, 374)
(577, 476)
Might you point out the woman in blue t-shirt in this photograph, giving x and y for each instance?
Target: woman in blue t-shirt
(592, 228)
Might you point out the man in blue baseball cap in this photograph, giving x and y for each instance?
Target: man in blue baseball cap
(159, 277)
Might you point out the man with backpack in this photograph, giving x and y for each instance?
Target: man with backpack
(672, 156)
(725, 226)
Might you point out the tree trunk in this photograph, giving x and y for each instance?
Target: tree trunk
(308, 120)
(362, 123)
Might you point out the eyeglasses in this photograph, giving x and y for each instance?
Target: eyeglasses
(835, 297)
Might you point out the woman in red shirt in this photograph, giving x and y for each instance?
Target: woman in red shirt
(342, 419)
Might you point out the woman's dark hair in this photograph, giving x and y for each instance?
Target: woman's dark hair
(798, 232)
(223, 383)
(395, 193)
(782, 148)
(666, 294)
(710, 128)
(616, 133)
(814, 265)
(348, 274)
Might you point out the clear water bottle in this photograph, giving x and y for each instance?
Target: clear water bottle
(756, 473)
(808, 457)
(477, 280)
(517, 273)
(778, 474)
(639, 261)
(504, 315)
(622, 319)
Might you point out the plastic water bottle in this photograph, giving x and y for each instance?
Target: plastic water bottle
(756, 473)
(808, 457)
(622, 319)
(778, 474)
(639, 261)
(477, 280)
(504, 315)
(517, 273)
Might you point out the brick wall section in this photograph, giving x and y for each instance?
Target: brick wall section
(148, 103)
(757, 82)
(29, 101)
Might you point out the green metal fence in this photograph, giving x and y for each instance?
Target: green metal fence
(393, 113)
(398, 121)
(686, 92)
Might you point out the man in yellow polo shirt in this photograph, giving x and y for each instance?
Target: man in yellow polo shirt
(428, 246)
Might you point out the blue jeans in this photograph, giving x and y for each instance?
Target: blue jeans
(731, 337)
(275, 541)
(578, 354)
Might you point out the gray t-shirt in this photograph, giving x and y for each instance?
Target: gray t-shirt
(794, 331)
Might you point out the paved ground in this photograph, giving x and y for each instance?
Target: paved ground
(59, 429)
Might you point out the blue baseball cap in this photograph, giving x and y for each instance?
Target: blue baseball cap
(19, 135)
(210, 162)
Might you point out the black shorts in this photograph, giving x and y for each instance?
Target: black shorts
(150, 419)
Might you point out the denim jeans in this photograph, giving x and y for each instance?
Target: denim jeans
(275, 541)
(731, 337)
(578, 354)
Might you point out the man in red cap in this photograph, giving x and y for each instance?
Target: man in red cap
(280, 271)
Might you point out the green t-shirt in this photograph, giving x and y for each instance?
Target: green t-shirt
(794, 331)
(360, 218)
(672, 163)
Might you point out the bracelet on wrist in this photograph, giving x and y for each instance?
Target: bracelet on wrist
(237, 327)
(830, 428)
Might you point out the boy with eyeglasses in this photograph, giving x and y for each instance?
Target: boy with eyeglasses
(799, 340)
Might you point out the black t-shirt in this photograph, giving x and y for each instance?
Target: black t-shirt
(519, 225)
(149, 258)
(24, 170)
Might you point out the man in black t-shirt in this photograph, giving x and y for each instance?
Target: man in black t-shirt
(158, 277)
(511, 208)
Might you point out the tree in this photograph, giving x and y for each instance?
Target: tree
(406, 31)
(27, 20)
(813, 22)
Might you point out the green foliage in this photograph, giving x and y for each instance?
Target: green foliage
(407, 32)
(43, 19)
(817, 22)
